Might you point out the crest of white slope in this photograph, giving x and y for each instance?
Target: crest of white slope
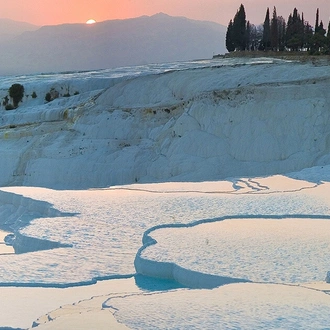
(188, 125)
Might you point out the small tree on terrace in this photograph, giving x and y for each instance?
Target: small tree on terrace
(16, 92)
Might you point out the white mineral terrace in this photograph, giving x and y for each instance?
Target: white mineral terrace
(188, 198)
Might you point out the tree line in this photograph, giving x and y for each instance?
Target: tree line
(276, 34)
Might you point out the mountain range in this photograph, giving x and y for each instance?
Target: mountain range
(10, 29)
(146, 39)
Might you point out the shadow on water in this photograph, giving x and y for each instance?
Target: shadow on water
(147, 283)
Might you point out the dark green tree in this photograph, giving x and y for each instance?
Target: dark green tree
(316, 27)
(281, 33)
(308, 36)
(319, 40)
(16, 92)
(239, 26)
(230, 45)
(274, 30)
(322, 30)
(302, 31)
(266, 34)
(236, 31)
(294, 32)
(276, 34)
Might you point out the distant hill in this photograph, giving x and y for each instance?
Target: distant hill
(146, 39)
(10, 29)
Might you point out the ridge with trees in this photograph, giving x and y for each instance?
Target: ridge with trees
(278, 35)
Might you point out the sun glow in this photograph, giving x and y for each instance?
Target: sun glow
(91, 21)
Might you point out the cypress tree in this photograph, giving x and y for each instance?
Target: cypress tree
(322, 30)
(316, 28)
(274, 40)
(294, 31)
(266, 33)
(302, 31)
(308, 36)
(276, 34)
(230, 38)
(319, 40)
(288, 32)
(281, 33)
(236, 32)
(242, 28)
(239, 29)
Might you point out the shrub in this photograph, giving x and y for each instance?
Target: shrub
(10, 107)
(52, 95)
(67, 95)
(48, 97)
(34, 95)
(16, 92)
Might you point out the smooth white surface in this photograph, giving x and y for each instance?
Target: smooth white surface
(258, 250)
(20, 307)
(105, 226)
(234, 306)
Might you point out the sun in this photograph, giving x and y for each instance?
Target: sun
(91, 21)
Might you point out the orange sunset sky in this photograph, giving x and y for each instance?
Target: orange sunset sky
(51, 12)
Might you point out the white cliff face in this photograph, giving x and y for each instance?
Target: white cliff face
(191, 125)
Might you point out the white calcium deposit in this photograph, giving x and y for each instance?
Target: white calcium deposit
(208, 175)
(202, 123)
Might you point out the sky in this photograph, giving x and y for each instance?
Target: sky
(50, 12)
